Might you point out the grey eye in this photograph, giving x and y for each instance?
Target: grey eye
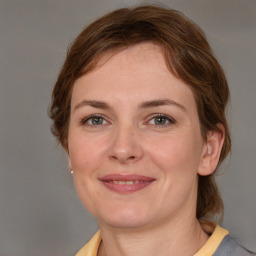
(96, 120)
(160, 120)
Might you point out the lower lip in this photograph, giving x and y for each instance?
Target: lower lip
(125, 189)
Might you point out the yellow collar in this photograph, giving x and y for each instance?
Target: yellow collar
(91, 248)
(213, 242)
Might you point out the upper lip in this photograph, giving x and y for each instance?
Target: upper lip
(129, 177)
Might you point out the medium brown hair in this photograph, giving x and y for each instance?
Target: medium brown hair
(188, 56)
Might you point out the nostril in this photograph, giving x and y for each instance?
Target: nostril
(113, 157)
(123, 158)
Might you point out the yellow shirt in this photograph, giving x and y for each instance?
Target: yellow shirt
(91, 248)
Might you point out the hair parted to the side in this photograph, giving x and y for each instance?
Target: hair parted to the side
(188, 56)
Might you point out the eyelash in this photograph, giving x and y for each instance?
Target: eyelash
(167, 118)
(85, 121)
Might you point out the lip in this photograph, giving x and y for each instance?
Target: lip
(124, 184)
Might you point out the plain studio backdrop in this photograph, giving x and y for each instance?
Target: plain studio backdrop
(40, 213)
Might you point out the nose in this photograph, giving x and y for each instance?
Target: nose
(126, 145)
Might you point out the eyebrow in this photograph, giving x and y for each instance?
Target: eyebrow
(143, 105)
(92, 103)
(161, 102)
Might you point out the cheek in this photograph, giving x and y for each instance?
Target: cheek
(178, 152)
(85, 156)
(85, 153)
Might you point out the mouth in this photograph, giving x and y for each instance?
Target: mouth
(126, 183)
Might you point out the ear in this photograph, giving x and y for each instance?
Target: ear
(211, 151)
(65, 146)
(69, 162)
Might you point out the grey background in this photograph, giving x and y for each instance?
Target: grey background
(40, 213)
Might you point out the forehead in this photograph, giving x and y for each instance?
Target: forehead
(146, 50)
(130, 55)
(139, 69)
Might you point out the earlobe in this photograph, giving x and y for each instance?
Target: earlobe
(211, 151)
(69, 160)
(69, 163)
(65, 146)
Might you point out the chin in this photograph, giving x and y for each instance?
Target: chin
(127, 218)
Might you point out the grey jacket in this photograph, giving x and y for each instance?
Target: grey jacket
(228, 247)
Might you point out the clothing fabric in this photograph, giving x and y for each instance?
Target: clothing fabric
(229, 247)
(91, 248)
(219, 244)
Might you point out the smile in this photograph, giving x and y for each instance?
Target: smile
(130, 182)
(126, 183)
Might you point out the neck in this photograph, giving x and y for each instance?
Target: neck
(177, 237)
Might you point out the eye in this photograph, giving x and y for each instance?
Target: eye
(94, 120)
(161, 120)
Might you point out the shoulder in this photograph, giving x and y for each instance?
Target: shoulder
(229, 247)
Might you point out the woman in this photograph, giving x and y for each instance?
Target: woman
(139, 107)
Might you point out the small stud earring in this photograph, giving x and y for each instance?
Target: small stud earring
(71, 172)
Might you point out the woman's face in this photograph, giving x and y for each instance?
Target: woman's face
(134, 140)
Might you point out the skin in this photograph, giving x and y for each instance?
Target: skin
(128, 137)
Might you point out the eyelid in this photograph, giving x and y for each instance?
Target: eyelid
(169, 118)
(83, 121)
